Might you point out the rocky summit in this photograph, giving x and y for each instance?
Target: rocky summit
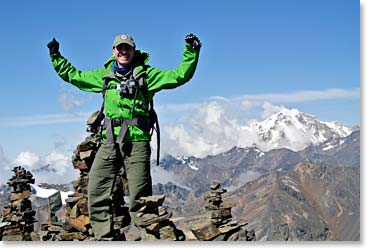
(241, 194)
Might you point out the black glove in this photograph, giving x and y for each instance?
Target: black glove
(53, 46)
(193, 41)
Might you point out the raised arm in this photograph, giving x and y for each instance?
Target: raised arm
(158, 79)
(90, 81)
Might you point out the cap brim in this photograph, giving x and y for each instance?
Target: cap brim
(124, 42)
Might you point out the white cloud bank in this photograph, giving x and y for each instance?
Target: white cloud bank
(22, 121)
(304, 96)
(219, 124)
(198, 129)
(240, 103)
(51, 168)
(212, 131)
(5, 167)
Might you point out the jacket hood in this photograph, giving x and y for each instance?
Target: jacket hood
(141, 57)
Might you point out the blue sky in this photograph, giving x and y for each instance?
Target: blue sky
(307, 51)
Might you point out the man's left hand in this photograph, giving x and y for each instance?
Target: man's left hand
(193, 40)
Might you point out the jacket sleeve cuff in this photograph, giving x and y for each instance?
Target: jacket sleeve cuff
(55, 55)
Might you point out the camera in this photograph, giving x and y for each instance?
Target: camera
(127, 87)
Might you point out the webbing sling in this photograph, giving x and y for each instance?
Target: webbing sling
(143, 123)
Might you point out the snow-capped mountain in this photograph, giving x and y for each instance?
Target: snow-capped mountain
(295, 130)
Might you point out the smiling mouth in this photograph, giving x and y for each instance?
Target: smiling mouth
(123, 56)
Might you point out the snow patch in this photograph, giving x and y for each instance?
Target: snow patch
(329, 147)
(45, 193)
(289, 182)
(192, 166)
(186, 161)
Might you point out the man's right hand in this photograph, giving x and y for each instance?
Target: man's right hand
(53, 46)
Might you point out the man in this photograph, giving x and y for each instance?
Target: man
(128, 85)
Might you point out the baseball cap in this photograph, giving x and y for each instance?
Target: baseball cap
(123, 38)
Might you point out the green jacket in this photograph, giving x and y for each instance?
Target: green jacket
(117, 107)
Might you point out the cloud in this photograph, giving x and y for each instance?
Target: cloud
(60, 142)
(51, 168)
(5, 167)
(243, 178)
(246, 105)
(30, 160)
(232, 105)
(23, 121)
(247, 102)
(71, 98)
(160, 175)
(218, 124)
(269, 110)
(68, 102)
(211, 131)
(303, 96)
(197, 129)
(184, 107)
(61, 163)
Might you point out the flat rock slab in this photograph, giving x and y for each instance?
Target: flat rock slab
(74, 200)
(71, 223)
(55, 229)
(81, 165)
(167, 233)
(5, 212)
(72, 236)
(148, 219)
(224, 205)
(21, 195)
(84, 219)
(147, 236)
(214, 185)
(222, 213)
(86, 154)
(12, 238)
(152, 201)
(83, 206)
(205, 231)
(153, 228)
(35, 236)
(227, 229)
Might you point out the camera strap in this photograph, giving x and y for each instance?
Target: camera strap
(149, 123)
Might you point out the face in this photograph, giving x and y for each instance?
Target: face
(124, 54)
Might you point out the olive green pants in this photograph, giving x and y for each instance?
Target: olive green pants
(136, 158)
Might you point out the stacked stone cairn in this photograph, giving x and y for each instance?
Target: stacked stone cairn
(155, 220)
(220, 227)
(17, 219)
(76, 225)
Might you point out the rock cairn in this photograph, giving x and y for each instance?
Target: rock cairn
(17, 219)
(220, 227)
(155, 220)
(77, 225)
